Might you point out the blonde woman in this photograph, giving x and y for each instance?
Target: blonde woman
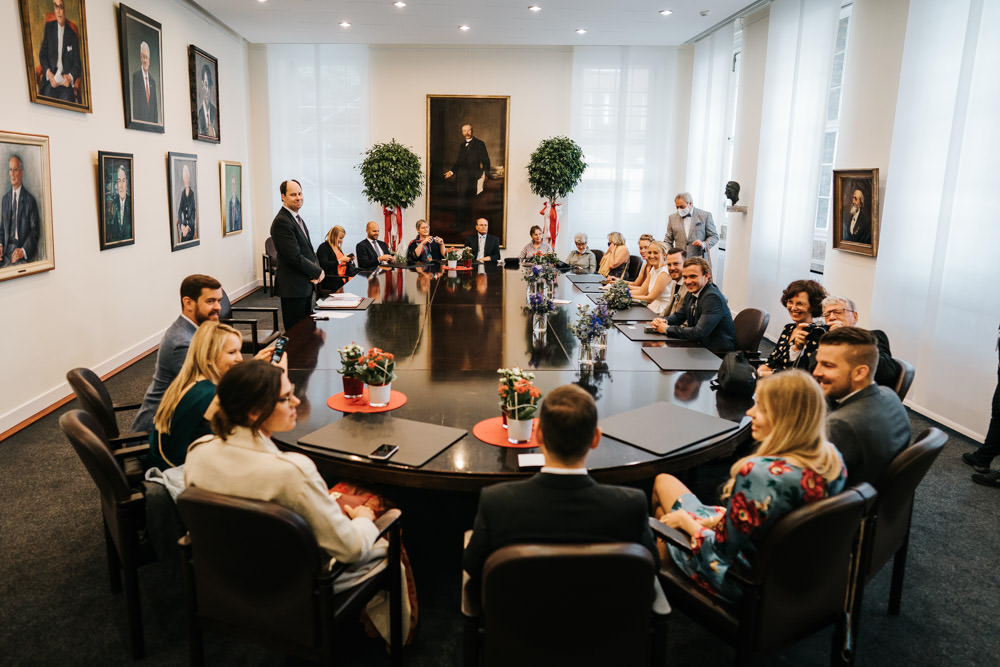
(793, 465)
(644, 242)
(338, 265)
(615, 259)
(655, 291)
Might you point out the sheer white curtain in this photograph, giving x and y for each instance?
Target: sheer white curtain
(938, 267)
(800, 41)
(318, 106)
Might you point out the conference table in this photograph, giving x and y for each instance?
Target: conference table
(450, 331)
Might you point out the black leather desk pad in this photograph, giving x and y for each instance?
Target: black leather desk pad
(363, 305)
(361, 434)
(585, 277)
(591, 288)
(635, 313)
(663, 427)
(637, 332)
(683, 358)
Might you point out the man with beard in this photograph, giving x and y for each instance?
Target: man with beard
(857, 222)
(675, 263)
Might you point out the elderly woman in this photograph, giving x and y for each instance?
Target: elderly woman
(535, 246)
(796, 347)
(615, 260)
(336, 264)
(581, 259)
(424, 248)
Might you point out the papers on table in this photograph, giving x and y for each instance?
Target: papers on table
(340, 301)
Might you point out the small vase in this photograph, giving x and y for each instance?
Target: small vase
(452, 263)
(353, 387)
(586, 354)
(503, 413)
(539, 324)
(519, 431)
(378, 395)
(467, 263)
(600, 346)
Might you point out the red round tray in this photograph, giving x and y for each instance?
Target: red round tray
(397, 399)
(492, 432)
(444, 265)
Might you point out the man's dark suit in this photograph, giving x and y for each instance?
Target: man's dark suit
(869, 428)
(234, 223)
(471, 162)
(706, 319)
(210, 127)
(48, 58)
(141, 109)
(119, 227)
(491, 248)
(26, 226)
(297, 266)
(365, 255)
(551, 508)
(863, 230)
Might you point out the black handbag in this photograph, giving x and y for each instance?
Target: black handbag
(736, 376)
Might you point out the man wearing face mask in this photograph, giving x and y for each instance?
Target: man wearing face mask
(691, 228)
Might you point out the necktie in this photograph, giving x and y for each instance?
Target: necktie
(378, 251)
(302, 226)
(482, 247)
(146, 79)
(674, 299)
(13, 217)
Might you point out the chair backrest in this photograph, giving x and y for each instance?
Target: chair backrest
(255, 566)
(270, 250)
(803, 567)
(94, 398)
(634, 262)
(225, 307)
(598, 254)
(895, 495)
(905, 379)
(568, 604)
(750, 325)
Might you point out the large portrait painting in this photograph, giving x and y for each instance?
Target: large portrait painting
(26, 245)
(231, 191)
(467, 165)
(182, 181)
(54, 33)
(203, 75)
(140, 44)
(855, 211)
(115, 220)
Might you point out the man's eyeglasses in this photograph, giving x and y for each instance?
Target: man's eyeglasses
(837, 311)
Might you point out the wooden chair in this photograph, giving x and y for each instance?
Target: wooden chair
(799, 581)
(750, 325)
(905, 379)
(564, 604)
(256, 338)
(253, 569)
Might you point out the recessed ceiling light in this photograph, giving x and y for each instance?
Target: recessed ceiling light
(399, 3)
(581, 31)
(665, 12)
(534, 8)
(463, 27)
(344, 24)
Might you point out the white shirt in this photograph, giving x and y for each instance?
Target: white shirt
(482, 246)
(565, 471)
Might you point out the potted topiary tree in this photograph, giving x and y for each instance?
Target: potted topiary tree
(554, 170)
(392, 178)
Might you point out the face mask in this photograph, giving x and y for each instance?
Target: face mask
(683, 212)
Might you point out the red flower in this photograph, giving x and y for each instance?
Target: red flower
(696, 542)
(746, 468)
(743, 514)
(778, 468)
(371, 364)
(813, 486)
(721, 532)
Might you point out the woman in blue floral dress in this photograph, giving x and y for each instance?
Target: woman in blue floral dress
(795, 464)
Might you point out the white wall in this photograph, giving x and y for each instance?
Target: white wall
(101, 309)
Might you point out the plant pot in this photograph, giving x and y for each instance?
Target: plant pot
(467, 263)
(519, 430)
(378, 395)
(353, 387)
(503, 413)
(452, 263)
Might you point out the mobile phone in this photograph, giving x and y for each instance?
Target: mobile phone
(652, 330)
(384, 452)
(279, 349)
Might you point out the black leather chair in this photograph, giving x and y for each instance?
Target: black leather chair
(799, 582)
(905, 379)
(598, 255)
(123, 509)
(750, 324)
(632, 272)
(257, 338)
(568, 604)
(270, 264)
(253, 569)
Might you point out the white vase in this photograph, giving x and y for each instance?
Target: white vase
(378, 396)
(452, 263)
(519, 430)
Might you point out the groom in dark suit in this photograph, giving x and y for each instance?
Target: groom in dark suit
(298, 269)
(705, 316)
(370, 251)
(471, 163)
(485, 246)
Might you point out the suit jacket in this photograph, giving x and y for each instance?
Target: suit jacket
(678, 303)
(863, 231)
(115, 231)
(869, 428)
(471, 162)
(169, 359)
(142, 110)
(235, 221)
(187, 216)
(705, 319)
(702, 229)
(48, 55)
(26, 224)
(490, 250)
(365, 255)
(297, 262)
(203, 126)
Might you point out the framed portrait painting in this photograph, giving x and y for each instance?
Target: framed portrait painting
(115, 218)
(855, 211)
(54, 34)
(203, 72)
(182, 180)
(231, 191)
(26, 245)
(466, 164)
(140, 44)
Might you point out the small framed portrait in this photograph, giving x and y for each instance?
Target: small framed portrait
(231, 191)
(26, 245)
(140, 43)
(54, 34)
(182, 179)
(203, 72)
(855, 211)
(115, 218)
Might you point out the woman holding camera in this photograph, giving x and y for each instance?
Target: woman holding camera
(796, 347)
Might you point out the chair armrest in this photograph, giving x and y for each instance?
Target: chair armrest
(136, 436)
(136, 450)
(387, 521)
(118, 407)
(472, 607)
(259, 309)
(671, 535)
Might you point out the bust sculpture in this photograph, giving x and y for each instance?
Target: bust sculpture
(733, 192)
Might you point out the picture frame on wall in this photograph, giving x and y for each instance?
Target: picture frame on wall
(231, 193)
(116, 221)
(140, 44)
(856, 211)
(467, 148)
(26, 242)
(203, 75)
(182, 180)
(56, 59)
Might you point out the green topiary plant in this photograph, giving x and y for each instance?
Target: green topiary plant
(553, 172)
(392, 178)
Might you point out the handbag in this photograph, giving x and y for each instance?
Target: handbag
(736, 376)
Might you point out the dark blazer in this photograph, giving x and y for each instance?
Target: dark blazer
(869, 428)
(27, 226)
(471, 162)
(330, 264)
(48, 58)
(213, 117)
(115, 232)
(141, 110)
(492, 248)
(863, 233)
(706, 319)
(234, 221)
(297, 263)
(365, 255)
(551, 508)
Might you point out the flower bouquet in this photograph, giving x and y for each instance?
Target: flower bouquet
(519, 401)
(618, 296)
(377, 370)
(350, 367)
(452, 258)
(539, 304)
(591, 328)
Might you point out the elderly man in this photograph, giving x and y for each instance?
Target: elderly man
(704, 317)
(59, 57)
(370, 251)
(856, 224)
(839, 311)
(19, 221)
(144, 101)
(485, 245)
(119, 228)
(690, 228)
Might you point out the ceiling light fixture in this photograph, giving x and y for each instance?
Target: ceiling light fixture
(344, 24)
(463, 28)
(665, 12)
(581, 31)
(399, 3)
(534, 8)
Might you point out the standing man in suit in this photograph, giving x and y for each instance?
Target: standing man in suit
(691, 228)
(705, 315)
(839, 311)
(867, 423)
(208, 116)
(486, 246)
(471, 164)
(298, 268)
(144, 104)
(371, 252)
(856, 224)
(234, 222)
(18, 219)
(120, 226)
(59, 57)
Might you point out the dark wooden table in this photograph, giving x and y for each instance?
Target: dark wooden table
(450, 333)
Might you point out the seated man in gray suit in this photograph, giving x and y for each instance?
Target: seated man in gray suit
(867, 423)
(563, 503)
(690, 228)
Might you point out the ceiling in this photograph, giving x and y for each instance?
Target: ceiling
(491, 22)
